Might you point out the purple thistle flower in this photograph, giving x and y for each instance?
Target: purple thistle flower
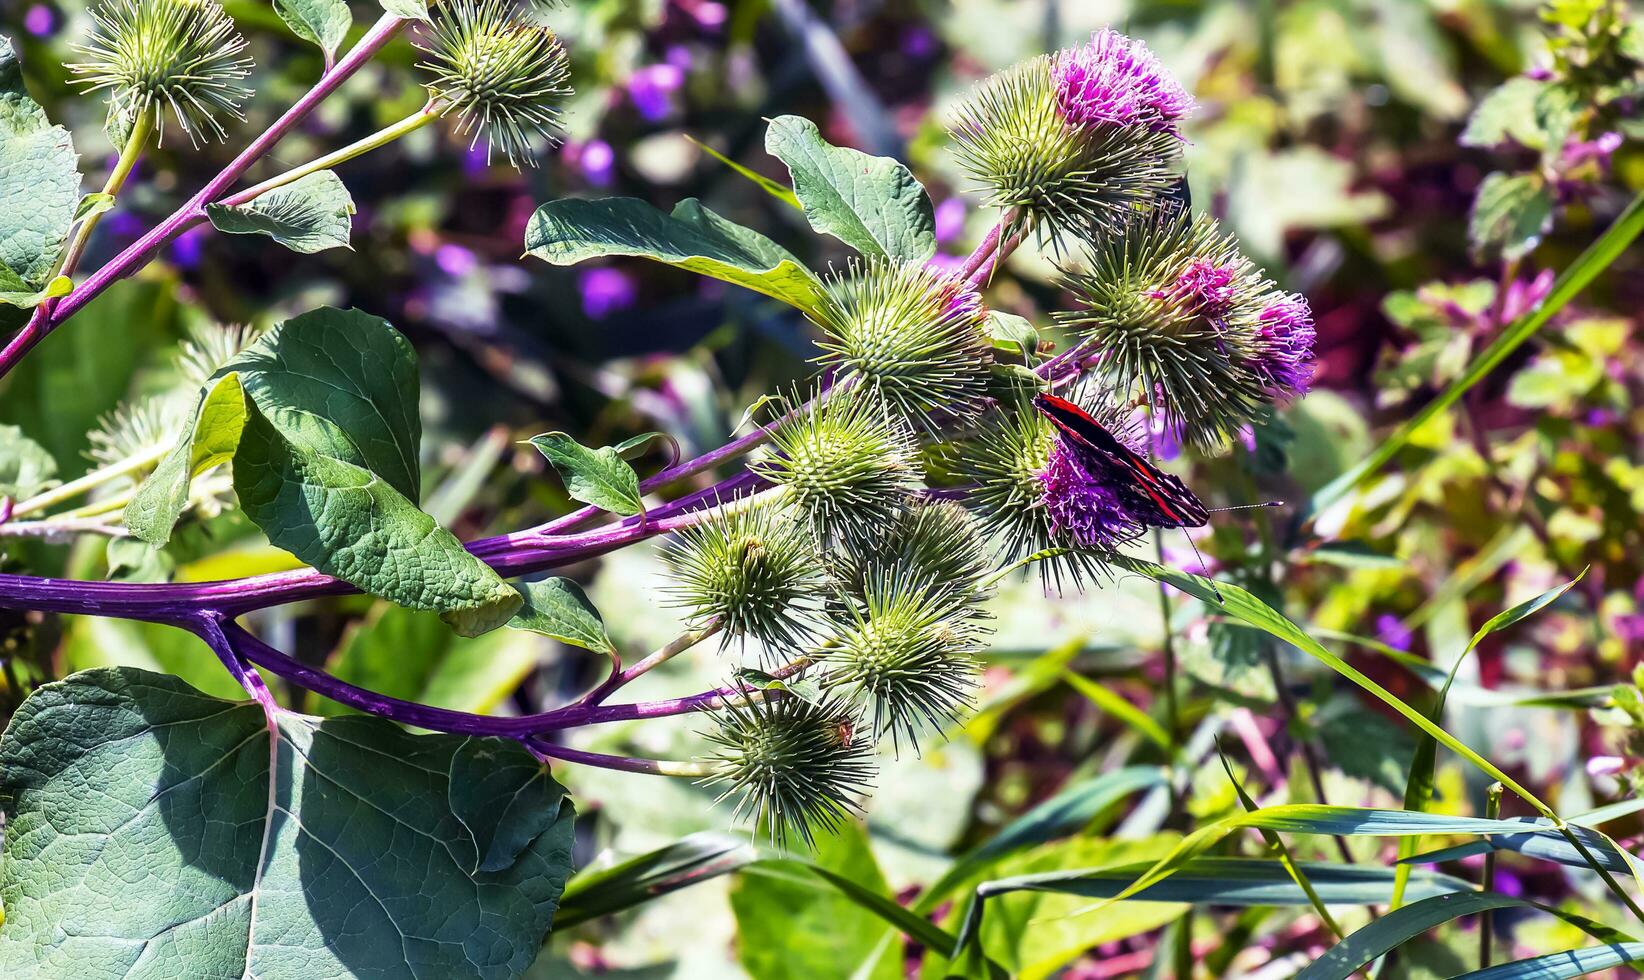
(950, 219)
(1285, 339)
(1115, 81)
(1203, 287)
(1084, 505)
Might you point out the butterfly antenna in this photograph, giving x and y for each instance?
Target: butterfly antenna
(1218, 510)
(1205, 568)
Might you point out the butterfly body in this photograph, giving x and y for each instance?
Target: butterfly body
(1155, 497)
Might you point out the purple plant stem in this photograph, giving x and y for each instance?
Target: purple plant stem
(545, 750)
(984, 251)
(241, 643)
(139, 253)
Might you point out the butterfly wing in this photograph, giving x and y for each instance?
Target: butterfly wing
(1161, 499)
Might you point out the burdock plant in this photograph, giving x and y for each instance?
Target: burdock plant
(855, 538)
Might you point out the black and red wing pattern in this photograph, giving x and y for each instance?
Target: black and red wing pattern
(1156, 497)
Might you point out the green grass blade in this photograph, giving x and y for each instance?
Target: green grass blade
(1243, 606)
(1560, 966)
(1400, 926)
(1070, 809)
(688, 861)
(1276, 843)
(1574, 279)
(1121, 709)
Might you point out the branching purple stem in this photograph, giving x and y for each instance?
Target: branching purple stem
(49, 317)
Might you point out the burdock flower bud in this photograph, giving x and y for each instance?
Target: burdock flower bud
(932, 543)
(753, 569)
(504, 75)
(794, 765)
(847, 465)
(1187, 324)
(1076, 140)
(907, 654)
(151, 56)
(911, 334)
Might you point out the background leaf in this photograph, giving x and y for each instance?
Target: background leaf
(594, 476)
(558, 607)
(322, 22)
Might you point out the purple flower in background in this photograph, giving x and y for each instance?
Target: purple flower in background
(652, 90)
(606, 291)
(1577, 152)
(918, 42)
(1115, 81)
(1525, 295)
(40, 20)
(1391, 631)
(187, 249)
(1084, 505)
(598, 163)
(455, 261)
(950, 219)
(1284, 337)
(707, 13)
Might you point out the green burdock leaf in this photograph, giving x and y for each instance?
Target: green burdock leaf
(348, 522)
(1015, 334)
(209, 439)
(873, 204)
(336, 848)
(1510, 214)
(558, 607)
(594, 476)
(692, 238)
(25, 466)
(322, 22)
(504, 798)
(409, 9)
(307, 215)
(93, 204)
(39, 189)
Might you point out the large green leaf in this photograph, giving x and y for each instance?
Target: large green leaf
(692, 238)
(1397, 927)
(348, 522)
(310, 214)
(39, 183)
(794, 929)
(25, 466)
(321, 22)
(154, 832)
(873, 204)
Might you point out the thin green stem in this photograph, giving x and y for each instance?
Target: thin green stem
(1486, 921)
(377, 140)
(91, 481)
(141, 127)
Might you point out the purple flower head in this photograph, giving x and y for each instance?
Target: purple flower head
(606, 291)
(959, 301)
(1115, 81)
(652, 90)
(1203, 287)
(1285, 338)
(1084, 505)
(455, 261)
